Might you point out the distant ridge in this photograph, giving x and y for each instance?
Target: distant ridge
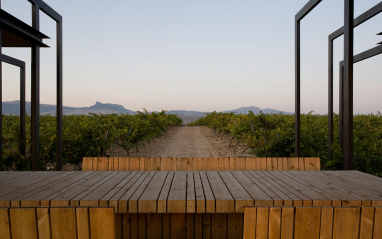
(13, 107)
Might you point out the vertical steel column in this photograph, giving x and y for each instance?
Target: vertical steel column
(348, 85)
(330, 99)
(22, 110)
(297, 90)
(35, 74)
(59, 97)
(341, 103)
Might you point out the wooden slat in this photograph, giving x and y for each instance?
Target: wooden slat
(218, 226)
(165, 164)
(83, 225)
(239, 164)
(326, 231)
(154, 225)
(301, 164)
(142, 225)
(104, 201)
(210, 199)
(5, 229)
(148, 201)
(87, 164)
(242, 198)
(125, 185)
(126, 224)
(262, 222)
(190, 225)
(178, 225)
(124, 164)
(167, 225)
(198, 164)
(133, 201)
(118, 225)
(134, 164)
(250, 164)
(199, 194)
(123, 200)
(134, 229)
(346, 222)
(293, 164)
(198, 225)
(63, 223)
(141, 164)
(206, 225)
(176, 202)
(307, 222)
(43, 223)
(261, 164)
(285, 164)
(235, 225)
(191, 198)
(367, 221)
(190, 164)
(116, 164)
(213, 164)
(162, 200)
(274, 231)
(23, 223)
(103, 164)
(377, 233)
(250, 221)
(95, 163)
(287, 221)
(274, 164)
(223, 197)
(110, 166)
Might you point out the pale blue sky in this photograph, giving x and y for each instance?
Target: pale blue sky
(200, 55)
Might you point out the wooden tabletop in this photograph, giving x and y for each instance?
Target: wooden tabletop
(189, 192)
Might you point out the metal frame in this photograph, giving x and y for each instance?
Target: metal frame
(348, 78)
(38, 5)
(372, 12)
(21, 65)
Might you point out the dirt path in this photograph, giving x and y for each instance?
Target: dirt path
(189, 141)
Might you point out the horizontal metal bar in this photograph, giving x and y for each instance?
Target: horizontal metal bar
(12, 61)
(359, 20)
(366, 55)
(306, 9)
(47, 9)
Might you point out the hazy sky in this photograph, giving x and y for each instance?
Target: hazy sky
(200, 55)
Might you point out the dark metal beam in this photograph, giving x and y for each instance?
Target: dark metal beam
(59, 135)
(348, 85)
(307, 9)
(35, 102)
(330, 98)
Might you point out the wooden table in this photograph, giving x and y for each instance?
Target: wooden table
(189, 192)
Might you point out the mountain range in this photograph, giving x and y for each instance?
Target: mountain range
(13, 107)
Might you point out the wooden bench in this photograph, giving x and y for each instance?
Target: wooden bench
(199, 164)
(313, 222)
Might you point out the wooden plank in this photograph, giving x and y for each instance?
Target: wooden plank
(367, 221)
(134, 164)
(87, 164)
(142, 225)
(279, 164)
(124, 164)
(174, 162)
(63, 223)
(240, 195)
(274, 231)
(274, 164)
(116, 164)
(287, 222)
(190, 225)
(133, 201)
(132, 187)
(83, 225)
(292, 164)
(95, 163)
(307, 222)
(179, 164)
(269, 164)
(206, 225)
(199, 194)
(198, 164)
(377, 233)
(110, 167)
(93, 198)
(261, 164)
(141, 164)
(184, 164)
(166, 225)
(23, 223)
(112, 199)
(165, 164)
(190, 164)
(259, 196)
(149, 164)
(118, 225)
(162, 200)
(317, 163)
(250, 222)
(218, 226)
(346, 222)
(134, 229)
(213, 164)
(309, 164)
(147, 203)
(262, 223)
(103, 164)
(210, 198)
(104, 201)
(178, 225)
(126, 225)
(223, 197)
(158, 164)
(176, 202)
(198, 225)
(285, 164)
(231, 164)
(235, 225)
(205, 164)
(250, 164)
(239, 164)
(5, 229)
(43, 223)
(326, 231)
(191, 206)
(154, 225)
(301, 164)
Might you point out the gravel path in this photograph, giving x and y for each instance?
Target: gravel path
(189, 141)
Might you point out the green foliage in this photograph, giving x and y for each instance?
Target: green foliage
(271, 135)
(90, 135)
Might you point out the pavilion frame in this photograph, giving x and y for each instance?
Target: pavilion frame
(21, 65)
(348, 78)
(38, 5)
(372, 12)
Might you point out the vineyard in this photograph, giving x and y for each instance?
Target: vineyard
(90, 135)
(270, 135)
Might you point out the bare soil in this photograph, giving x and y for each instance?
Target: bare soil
(188, 141)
